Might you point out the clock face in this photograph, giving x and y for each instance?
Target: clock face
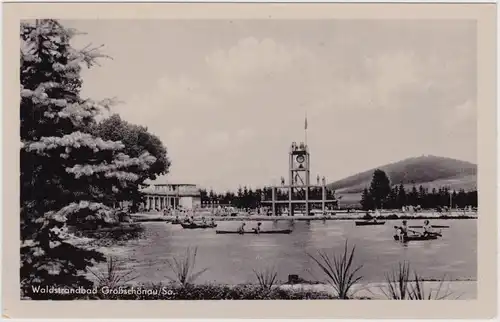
(300, 159)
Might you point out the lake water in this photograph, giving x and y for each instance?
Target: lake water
(230, 259)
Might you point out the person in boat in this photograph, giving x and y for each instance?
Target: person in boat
(403, 231)
(212, 222)
(257, 230)
(427, 229)
(241, 229)
(203, 220)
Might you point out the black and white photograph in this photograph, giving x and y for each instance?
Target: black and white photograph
(248, 159)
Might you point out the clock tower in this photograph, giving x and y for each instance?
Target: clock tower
(299, 175)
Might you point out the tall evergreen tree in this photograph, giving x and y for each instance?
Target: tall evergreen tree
(367, 200)
(380, 187)
(67, 174)
(402, 200)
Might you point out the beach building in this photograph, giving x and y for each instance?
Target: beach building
(171, 196)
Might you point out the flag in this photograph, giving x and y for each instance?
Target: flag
(305, 123)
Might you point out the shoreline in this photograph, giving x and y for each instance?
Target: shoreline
(152, 217)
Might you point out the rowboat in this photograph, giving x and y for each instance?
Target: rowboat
(369, 223)
(282, 231)
(417, 237)
(194, 226)
(433, 226)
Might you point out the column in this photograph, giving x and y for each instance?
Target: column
(323, 198)
(273, 203)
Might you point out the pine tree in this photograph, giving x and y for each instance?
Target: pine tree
(422, 196)
(453, 199)
(392, 199)
(67, 174)
(367, 200)
(402, 199)
(380, 188)
(413, 196)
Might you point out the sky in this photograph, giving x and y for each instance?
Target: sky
(228, 97)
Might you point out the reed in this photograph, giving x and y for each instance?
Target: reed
(115, 274)
(267, 278)
(417, 291)
(339, 270)
(400, 286)
(184, 268)
(398, 283)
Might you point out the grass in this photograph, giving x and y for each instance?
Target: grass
(339, 270)
(184, 268)
(400, 286)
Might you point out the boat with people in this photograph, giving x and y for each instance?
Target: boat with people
(195, 225)
(255, 232)
(404, 234)
(416, 237)
(369, 223)
(433, 226)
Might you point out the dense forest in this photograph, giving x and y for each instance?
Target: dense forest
(246, 197)
(436, 198)
(379, 195)
(382, 195)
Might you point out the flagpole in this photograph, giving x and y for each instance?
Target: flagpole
(305, 130)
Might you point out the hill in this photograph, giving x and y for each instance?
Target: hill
(428, 171)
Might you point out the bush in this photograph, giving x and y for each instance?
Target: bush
(215, 292)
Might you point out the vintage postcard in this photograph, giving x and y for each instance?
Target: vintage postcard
(319, 160)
